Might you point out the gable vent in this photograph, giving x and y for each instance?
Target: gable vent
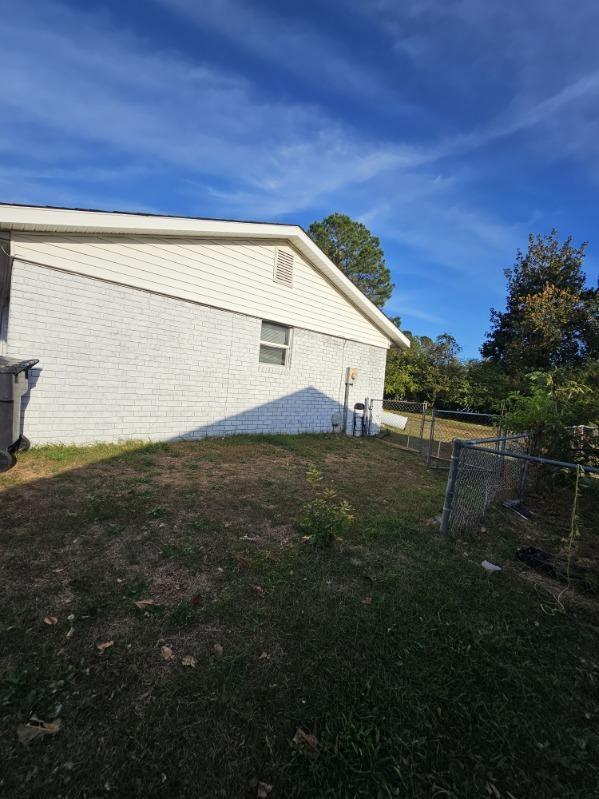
(284, 267)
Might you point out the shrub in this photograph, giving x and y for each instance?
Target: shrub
(324, 517)
(554, 405)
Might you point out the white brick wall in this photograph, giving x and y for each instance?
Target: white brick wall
(117, 363)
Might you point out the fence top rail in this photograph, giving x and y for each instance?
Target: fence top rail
(533, 458)
(463, 413)
(425, 404)
(393, 399)
(471, 442)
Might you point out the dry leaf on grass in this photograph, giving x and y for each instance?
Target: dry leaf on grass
(305, 739)
(28, 732)
(188, 660)
(264, 790)
(167, 653)
(103, 646)
(367, 600)
(217, 649)
(142, 603)
(264, 656)
(259, 590)
(241, 560)
(50, 620)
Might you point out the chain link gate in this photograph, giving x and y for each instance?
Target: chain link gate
(402, 421)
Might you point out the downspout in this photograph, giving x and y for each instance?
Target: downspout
(5, 277)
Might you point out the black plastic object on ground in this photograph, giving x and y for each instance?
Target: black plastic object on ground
(13, 384)
(539, 560)
(557, 567)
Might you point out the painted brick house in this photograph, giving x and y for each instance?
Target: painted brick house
(162, 327)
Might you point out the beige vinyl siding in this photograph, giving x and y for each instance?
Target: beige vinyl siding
(232, 275)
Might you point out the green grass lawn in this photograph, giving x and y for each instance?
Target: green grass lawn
(409, 670)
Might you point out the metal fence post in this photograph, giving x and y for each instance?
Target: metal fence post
(422, 420)
(502, 459)
(366, 420)
(523, 475)
(451, 482)
(430, 439)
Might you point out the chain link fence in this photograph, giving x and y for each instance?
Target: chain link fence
(501, 470)
(421, 428)
(404, 422)
(446, 426)
(481, 473)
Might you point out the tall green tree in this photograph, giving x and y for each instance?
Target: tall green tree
(550, 320)
(430, 370)
(357, 252)
(487, 385)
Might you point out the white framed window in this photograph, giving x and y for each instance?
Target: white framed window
(275, 341)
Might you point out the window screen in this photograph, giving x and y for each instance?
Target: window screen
(274, 343)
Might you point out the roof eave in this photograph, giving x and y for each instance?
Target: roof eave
(64, 220)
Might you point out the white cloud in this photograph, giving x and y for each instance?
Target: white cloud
(286, 39)
(74, 76)
(538, 56)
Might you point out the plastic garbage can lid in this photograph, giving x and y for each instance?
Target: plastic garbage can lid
(12, 366)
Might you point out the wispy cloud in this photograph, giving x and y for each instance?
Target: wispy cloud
(75, 76)
(539, 57)
(297, 48)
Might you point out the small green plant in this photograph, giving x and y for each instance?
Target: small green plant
(158, 512)
(137, 589)
(181, 549)
(325, 517)
(201, 524)
(183, 614)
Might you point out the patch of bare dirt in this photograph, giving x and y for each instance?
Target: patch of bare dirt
(171, 583)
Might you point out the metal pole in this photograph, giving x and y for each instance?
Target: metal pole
(366, 422)
(430, 439)
(523, 476)
(345, 409)
(522, 481)
(451, 482)
(423, 412)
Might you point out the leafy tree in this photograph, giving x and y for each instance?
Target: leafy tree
(438, 371)
(551, 316)
(430, 370)
(553, 404)
(488, 385)
(398, 375)
(353, 248)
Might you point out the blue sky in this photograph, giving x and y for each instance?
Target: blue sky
(452, 128)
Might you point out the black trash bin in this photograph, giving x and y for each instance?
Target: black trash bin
(14, 383)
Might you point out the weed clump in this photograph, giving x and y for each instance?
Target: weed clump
(324, 517)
